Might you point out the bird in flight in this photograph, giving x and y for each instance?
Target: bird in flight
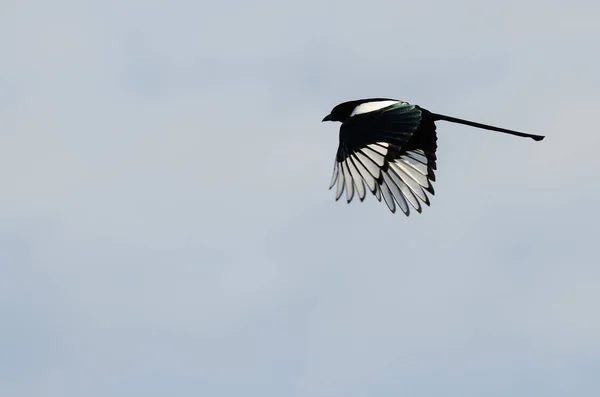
(388, 146)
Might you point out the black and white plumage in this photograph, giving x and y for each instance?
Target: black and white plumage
(389, 147)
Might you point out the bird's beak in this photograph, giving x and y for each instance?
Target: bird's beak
(327, 118)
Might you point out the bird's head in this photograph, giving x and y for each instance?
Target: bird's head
(344, 110)
(341, 112)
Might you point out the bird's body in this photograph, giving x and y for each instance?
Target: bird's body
(389, 146)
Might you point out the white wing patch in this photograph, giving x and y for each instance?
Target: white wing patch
(403, 181)
(372, 106)
(381, 148)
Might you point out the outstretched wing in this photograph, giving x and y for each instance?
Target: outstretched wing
(391, 152)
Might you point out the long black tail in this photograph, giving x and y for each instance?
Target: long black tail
(486, 127)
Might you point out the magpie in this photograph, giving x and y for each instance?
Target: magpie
(389, 147)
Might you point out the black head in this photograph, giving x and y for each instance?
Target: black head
(342, 111)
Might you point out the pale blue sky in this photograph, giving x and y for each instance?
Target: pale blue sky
(166, 228)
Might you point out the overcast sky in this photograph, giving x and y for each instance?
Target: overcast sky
(166, 228)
